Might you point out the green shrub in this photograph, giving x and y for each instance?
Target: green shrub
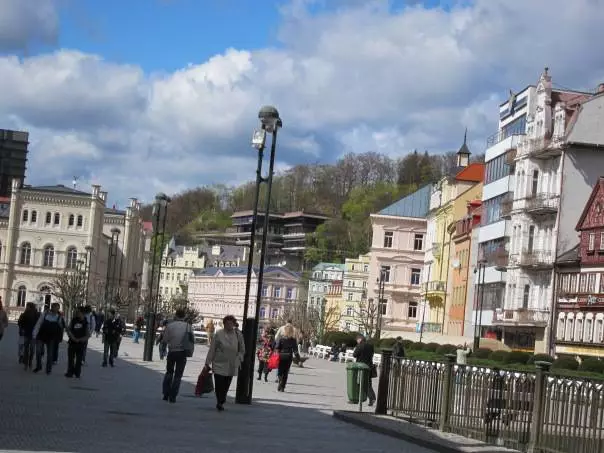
(565, 363)
(517, 357)
(416, 346)
(446, 349)
(432, 347)
(540, 358)
(387, 343)
(408, 344)
(592, 365)
(424, 355)
(482, 353)
(499, 356)
(340, 338)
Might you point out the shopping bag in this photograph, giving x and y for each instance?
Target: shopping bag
(204, 383)
(273, 361)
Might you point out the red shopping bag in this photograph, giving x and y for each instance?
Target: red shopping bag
(204, 383)
(273, 361)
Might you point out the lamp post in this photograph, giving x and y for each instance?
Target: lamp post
(89, 249)
(381, 281)
(160, 207)
(270, 122)
(115, 233)
(480, 269)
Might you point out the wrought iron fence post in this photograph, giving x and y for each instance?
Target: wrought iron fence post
(446, 398)
(381, 406)
(538, 400)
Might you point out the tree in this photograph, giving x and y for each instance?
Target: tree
(367, 316)
(312, 321)
(192, 315)
(70, 288)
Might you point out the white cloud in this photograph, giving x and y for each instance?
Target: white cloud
(364, 77)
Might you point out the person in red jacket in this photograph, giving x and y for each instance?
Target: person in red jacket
(264, 353)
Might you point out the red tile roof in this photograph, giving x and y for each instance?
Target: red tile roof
(473, 172)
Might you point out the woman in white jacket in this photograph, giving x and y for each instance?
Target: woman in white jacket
(224, 358)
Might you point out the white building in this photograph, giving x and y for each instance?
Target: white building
(354, 292)
(323, 275)
(49, 230)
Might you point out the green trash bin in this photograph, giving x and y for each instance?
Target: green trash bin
(354, 371)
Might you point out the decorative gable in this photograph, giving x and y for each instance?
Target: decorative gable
(593, 213)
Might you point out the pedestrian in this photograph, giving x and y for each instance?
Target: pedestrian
(27, 322)
(122, 332)
(278, 336)
(78, 333)
(98, 324)
(224, 358)
(287, 346)
(112, 328)
(47, 334)
(179, 339)
(91, 324)
(210, 329)
(462, 354)
(138, 327)
(3, 320)
(264, 353)
(363, 353)
(398, 350)
(55, 350)
(163, 349)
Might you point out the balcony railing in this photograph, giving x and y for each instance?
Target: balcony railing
(499, 136)
(542, 203)
(522, 316)
(434, 286)
(498, 257)
(506, 206)
(534, 258)
(540, 148)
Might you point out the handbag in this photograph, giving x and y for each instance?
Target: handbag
(273, 361)
(373, 371)
(204, 383)
(188, 342)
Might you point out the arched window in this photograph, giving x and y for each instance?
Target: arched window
(25, 255)
(80, 221)
(57, 218)
(45, 296)
(25, 215)
(262, 313)
(48, 218)
(71, 220)
(34, 216)
(49, 256)
(21, 296)
(72, 258)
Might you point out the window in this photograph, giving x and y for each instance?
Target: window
(491, 209)
(25, 255)
(412, 310)
(262, 313)
(72, 258)
(49, 256)
(592, 242)
(312, 301)
(264, 291)
(46, 296)
(602, 241)
(535, 184)
(366, 268)
(415, 276)
(496, 169)
(560, 334)
(569, 330)
(349, 311)
(588, 337)
(290, 294)
(80, 221)
(418, 242)
(383, 306)
(347, 326)
(186, 264)
(71, 221)
(34, 216)
(388, 236)
(25, 215)
(579, 330)
(349, 296)
(48, 218)
(525, 296)
(274, 313)
(21, 296)
(385, 273)
(516, 127)
(599, 333)
(277, 292)
(57, 218)
(161, 276)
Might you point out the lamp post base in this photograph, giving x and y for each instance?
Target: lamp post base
(245, 378)
(149, 339)
(476, 343)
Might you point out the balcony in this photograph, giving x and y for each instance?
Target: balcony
(498, 258)
(510, 156)
(434, 290)
(540, 148)
(506, 206)
(522, 317)
(534, 259)
(542, 204)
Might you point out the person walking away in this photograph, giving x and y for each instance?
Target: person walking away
(138, 327)
(112, 328)
(264, 353)
(287, 346)
(281, 330)
(210, 329)
(364, 353)
(91, 323)
(398, 351)
(98, 323)
(3, 320)
(78, 332)
(27, 322)
(224, 359)
(163, 349)
(47, 334)
(176, 336)
(122, 330)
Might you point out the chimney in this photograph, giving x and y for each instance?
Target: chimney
(601, 88)
(96, 190)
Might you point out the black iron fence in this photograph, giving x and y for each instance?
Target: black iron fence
(529, 411)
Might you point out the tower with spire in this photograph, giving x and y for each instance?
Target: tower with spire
(463, 155)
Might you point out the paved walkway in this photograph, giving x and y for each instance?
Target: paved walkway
(120, 410)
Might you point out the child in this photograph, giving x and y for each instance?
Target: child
(264, 352)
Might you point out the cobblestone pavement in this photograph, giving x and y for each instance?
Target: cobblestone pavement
(120, 410)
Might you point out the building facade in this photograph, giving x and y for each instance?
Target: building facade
(354, 292)
(579, 315)
(323, 275)
(178, 264)
(331, 316)
(217, 292)
(13, 159)
(397, 254)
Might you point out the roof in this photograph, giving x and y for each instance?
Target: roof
(324, 266)
(59, 188)
(588, 127)
(571, 256)
(473, 172)
(241, 270)
(415, 205)
(227, 252)
(113, 211)
(148, 226)
(597, 186)
(284, 215)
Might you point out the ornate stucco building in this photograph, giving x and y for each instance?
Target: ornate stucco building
(354, 292)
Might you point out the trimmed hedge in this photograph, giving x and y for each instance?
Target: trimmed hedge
(446, 349)
(340, 338)
(517, 357)
(498, 356)
(565, 363)
(592, 365)
(431, 347)
(540, 358)
(482, 353)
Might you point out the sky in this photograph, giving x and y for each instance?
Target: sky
(163, 95)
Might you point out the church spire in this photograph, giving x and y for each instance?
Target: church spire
(463, 155)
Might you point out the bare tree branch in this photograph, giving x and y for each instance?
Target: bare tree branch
(366, 316)
(70, 288)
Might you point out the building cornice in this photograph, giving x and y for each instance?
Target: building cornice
(61, 200)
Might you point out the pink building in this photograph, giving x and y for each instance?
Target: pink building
(397, 252)
(217, 292)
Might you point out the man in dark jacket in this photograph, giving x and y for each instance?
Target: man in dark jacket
(27, 323)
(112, 330)
(398, 351)
(363, 353)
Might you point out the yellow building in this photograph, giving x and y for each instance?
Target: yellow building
(354, 293)
(332, 312)
(437, 260)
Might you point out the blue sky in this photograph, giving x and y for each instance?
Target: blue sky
(162, 95)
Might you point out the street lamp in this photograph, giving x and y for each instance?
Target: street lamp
(381, 281)
(270, 122)
(115, 234)
(480, 269)
(160, 207)
(89, 249)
